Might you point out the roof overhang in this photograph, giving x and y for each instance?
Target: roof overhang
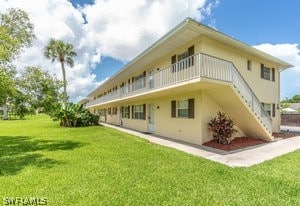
(180, 35)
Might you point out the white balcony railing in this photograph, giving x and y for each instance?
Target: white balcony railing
(196, 66)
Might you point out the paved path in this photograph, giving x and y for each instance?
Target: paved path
(240, 158)
(289, 128)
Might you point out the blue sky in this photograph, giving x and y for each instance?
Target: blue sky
(107, 34)
(253, 22)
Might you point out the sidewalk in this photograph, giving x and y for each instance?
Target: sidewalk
(240, 158)
(290, 129)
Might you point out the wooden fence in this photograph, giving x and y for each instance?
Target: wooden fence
(290, 119)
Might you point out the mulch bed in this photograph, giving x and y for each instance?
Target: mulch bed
(237, 143)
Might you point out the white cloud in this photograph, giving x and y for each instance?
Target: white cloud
(115, 28)
(287, 52)
(123, 29)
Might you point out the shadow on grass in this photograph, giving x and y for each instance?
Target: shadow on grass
(18, 152)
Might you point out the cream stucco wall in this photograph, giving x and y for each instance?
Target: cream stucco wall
(185, 129)
(192, 130)
(195, 130)
(267, 91)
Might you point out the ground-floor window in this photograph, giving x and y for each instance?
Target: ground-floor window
(101, 112)
(270, 108)
(139, 111)
(183, 108)
(114, 110)
(125, 112)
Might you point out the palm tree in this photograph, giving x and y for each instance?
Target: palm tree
(62, 52)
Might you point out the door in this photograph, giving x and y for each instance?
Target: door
(151, 127)
(151, 79)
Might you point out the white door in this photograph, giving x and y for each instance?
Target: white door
(151, 79)
(151, 118)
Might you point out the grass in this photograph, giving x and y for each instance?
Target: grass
(102, 166)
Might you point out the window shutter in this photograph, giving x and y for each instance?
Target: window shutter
(173, 109)
(144, 75)
(128, 112)
(122, 112)
(144, 111)
(132, 112)
(262, 66)
(173, 61)
(273, 74)
(132, 80)
(191, 110)
(128, 85)
(191, 51)
(273, 110)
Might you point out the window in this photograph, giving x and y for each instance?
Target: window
(183, 55)
(139, 111)
(139, 81)
(270, 108)
(267, 107)
(109, 110)
(182, 108)
(249, 65)
(125, 112)
(115, 111)
(102, 112)
(266, 73)
(183, 60)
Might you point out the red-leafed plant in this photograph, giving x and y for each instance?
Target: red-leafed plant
(222, 127)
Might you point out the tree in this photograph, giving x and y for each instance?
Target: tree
(6, 86)
(16, 33)
(41, 89)
(62, 52)
(294, 99)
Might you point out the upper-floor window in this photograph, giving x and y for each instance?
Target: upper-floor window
(183, 60)
(183, 55)
(139, 81)
(267, 73)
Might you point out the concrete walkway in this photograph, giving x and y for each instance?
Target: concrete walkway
(240, 158)
(290, 129)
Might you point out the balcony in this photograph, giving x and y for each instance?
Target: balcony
(194, 67)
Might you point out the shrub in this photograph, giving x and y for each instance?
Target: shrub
(74, 115)
(222, 127)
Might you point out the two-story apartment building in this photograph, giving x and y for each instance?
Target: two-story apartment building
(179, 83)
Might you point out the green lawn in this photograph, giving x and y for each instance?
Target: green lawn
(102, 166)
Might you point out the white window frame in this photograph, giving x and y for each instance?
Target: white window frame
(266, 73)
(268, 108)
(183, 108)
(138, 111)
